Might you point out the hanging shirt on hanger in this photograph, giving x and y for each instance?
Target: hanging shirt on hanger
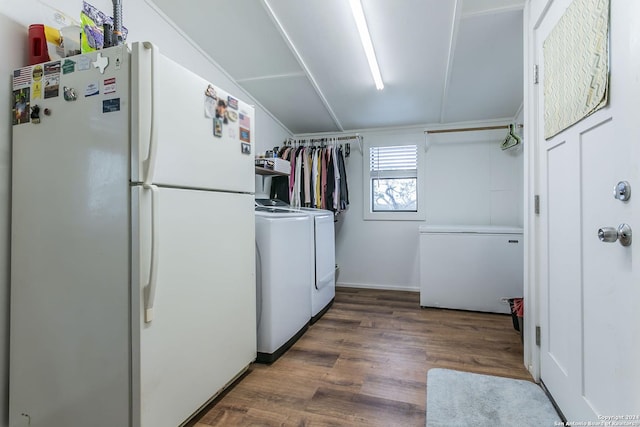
(344, 189)
(307, 176)
(336, 180)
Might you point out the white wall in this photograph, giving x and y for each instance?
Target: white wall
(469, 180)
(144, 23)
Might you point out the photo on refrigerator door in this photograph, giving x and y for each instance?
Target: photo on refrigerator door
(21, 106)
(52, 79)
(221, 111)
(233, 103)
(245, 135)
(217, 127)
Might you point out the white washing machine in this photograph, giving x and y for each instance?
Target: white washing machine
(283, 262)
(323, 257)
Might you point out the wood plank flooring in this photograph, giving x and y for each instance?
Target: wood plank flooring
(364, 363)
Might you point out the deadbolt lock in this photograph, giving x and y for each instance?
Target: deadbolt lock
(622, 191)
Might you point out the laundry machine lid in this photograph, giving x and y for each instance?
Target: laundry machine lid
(275, 203)
(277, 213)
(315, 211)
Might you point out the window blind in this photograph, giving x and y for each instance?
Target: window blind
(393, 160)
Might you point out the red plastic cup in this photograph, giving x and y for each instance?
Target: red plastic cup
(38, 51)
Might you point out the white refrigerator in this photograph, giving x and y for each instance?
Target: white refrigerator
(132, 241)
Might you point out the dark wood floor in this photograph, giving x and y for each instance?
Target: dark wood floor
(365, 364)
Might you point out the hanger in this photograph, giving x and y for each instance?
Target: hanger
(512, 138)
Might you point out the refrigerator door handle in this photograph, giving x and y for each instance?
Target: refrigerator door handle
(153, 265)
(150, 160)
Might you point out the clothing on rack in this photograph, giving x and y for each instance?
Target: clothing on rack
(318, 178)
(344, 189)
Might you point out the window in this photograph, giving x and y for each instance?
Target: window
(394, 177)
(392, 183)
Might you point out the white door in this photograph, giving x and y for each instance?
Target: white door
(590, 290)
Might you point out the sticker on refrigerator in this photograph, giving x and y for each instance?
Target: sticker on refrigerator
(245, 135)
(91, 89)
(21, 104)
(68, 66)
(36, 89)
(245, 121)
(37, 73)
(84, 63)
(51, 79)
(101, 62)
(111, 105)
(21, 77)
(232, 115)
(217, 127)
(246, 148)
(233, 103)
(109, 86)
(118, 58)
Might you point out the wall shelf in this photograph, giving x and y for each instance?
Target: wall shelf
(264, 171)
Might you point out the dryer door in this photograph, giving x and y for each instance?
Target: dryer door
(325, 251)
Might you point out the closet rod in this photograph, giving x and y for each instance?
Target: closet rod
(340, 138)
(471, 129)
(311, 140)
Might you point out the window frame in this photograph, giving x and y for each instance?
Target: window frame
(367, 178)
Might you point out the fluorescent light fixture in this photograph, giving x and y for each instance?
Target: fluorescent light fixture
(365, 37)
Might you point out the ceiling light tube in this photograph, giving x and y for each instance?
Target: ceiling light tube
(365, 37)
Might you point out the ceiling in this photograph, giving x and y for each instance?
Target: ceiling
(441, 61)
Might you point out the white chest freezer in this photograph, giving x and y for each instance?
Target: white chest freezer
(470, 267)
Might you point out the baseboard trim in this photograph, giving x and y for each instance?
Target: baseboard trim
(380, 287)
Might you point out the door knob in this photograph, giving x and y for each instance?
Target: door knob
(610, 234)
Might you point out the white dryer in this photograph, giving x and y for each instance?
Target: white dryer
(323, 289)
(283, 262)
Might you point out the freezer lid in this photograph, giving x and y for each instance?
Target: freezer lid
(187, 132)
(469, 229)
